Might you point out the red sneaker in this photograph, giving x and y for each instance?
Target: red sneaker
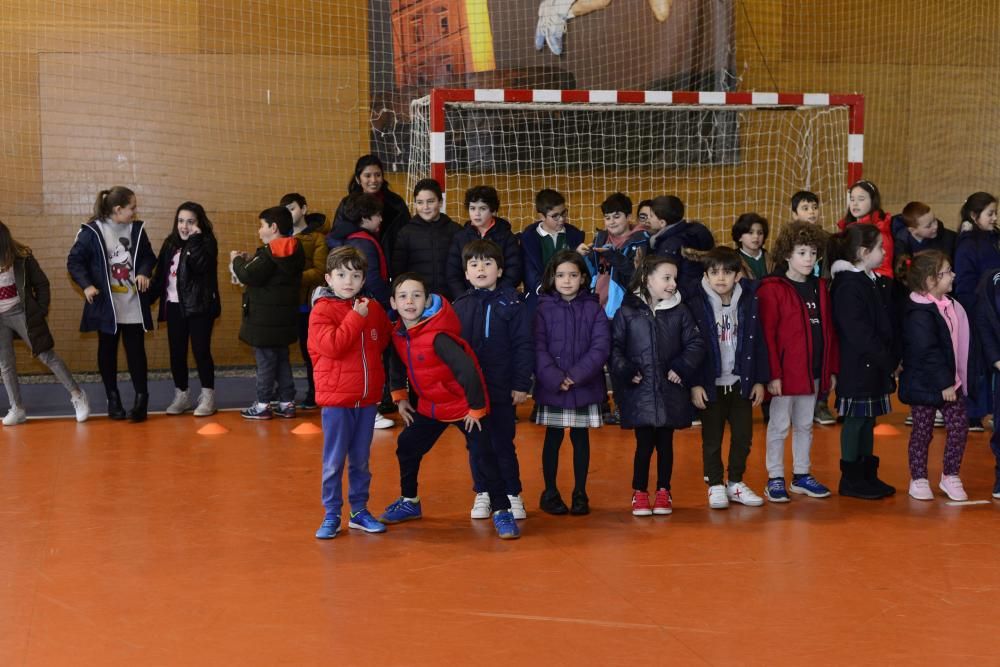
(640, 504)
(663, 504)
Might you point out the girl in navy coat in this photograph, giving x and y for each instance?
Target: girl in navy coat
(112, 262)
(862, 317)
(935, 362)
(656, 353)
(572, 342)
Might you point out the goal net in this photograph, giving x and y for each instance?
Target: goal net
(723, 154)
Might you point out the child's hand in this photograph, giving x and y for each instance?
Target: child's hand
(361, 307)
(997, 365)
(757, 394)
(949, 394)
(471, 421)
(141, 283)
(518, 397)
(833, 383)
(405, 411)
(583, 249)
(774, 387)
(91, 293)
(674, 377)
(699, 397)
(637, 379)
(233, 254)
(566, 384)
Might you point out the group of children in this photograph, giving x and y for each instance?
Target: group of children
(682, 329)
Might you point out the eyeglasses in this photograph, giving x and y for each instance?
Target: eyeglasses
(562, 215)
(949, 272)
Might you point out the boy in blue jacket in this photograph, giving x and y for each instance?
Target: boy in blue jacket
(496, 325)
(733, 377)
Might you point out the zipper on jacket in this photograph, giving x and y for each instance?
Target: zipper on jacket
(413, 374)
(364, 364)
(107, 273)
(489, 309)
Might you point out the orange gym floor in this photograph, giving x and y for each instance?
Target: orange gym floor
(151, 544)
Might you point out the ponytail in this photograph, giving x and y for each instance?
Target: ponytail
(107, 200)
(915, 271)
(847, 244)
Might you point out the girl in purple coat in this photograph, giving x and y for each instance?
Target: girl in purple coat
(572, 342)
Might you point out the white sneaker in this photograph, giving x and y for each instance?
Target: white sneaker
(181, 402)
(15, 416)
(952, 487)
(81, 406)
(206, 403)
(481, 506)
(717, 498)
(921, 489)
(739, 492)
(381, 421)
(938, 418)
(516, 507)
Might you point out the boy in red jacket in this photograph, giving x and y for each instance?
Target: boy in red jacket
(347, 335)
(803, 355)
(446, 378)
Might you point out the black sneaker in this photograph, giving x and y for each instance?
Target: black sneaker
(976, 426)
(552, 503)
(581, 503)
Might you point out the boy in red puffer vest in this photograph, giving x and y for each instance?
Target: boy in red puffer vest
(347, 336)
(445, 376)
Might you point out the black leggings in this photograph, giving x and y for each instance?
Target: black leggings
(581, 456)
(133, 339)
(648, 438)
(197, 329)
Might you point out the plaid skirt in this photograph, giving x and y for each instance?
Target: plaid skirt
(873, 406)
(549, 415)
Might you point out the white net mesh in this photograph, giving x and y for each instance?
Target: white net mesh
(721, 163)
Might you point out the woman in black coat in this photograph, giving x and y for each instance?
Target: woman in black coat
(369, 177)
(187, 285)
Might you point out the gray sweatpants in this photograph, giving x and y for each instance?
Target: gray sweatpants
(13, 322)
(797, 412)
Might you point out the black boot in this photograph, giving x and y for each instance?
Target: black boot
(552, 502)
(115, 408)
(870, 467)
(138, 411)
(853, 482)
(581, 503)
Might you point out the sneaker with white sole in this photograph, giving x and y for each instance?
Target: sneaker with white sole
(481, 506)
(206, 403)
(717, 498)
(739, 492)
(822, 415)
(516, 507)
(938, 418)
(952, 487)
(921, 489)
(382, 422)
(81, 406)
(808, 485)
(181, 402)
(15, 416)
(775, 490)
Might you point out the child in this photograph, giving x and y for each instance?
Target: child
(865, 206)
(916, 229)
(656, 352)
(358, 225)
(805, 207)
(187, 284)
(642, 214)
(802, 353)
(862, 318)
(482, 202)
(272, 277)
(445, 376)
(732, 379)
(495, 324)
(671, 235)
(541, 240)
(987, 329)
(308, 229)
(423, 243)
(611, 257)
(750, 233)
(935, 361)
(24, 303)
(369, 178)
(572, 343)
(977, 253)
(349, 335)
(112, 261)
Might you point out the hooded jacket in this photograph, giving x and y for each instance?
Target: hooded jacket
(197, 276)
(273, 278)
(33, 291)
(929, 364)
(883, 221)
(314, 252)
(977, 253)
(422, 247)
(652, 342)
(670, 242)
(904, 243)
(618, 263)
(345, 232)
(572, 340)
(501, 234)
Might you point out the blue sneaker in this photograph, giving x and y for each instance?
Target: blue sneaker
(807, 484)
(775, 490)
(400, 511)
(364, 520)
(257, 411)
(329, 529)
(506, 525)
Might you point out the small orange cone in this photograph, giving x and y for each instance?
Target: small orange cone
(307, 428)
(886, 429)
(213, 428)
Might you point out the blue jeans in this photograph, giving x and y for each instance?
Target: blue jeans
(273, 366)
(501, 438)
(347, 435)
